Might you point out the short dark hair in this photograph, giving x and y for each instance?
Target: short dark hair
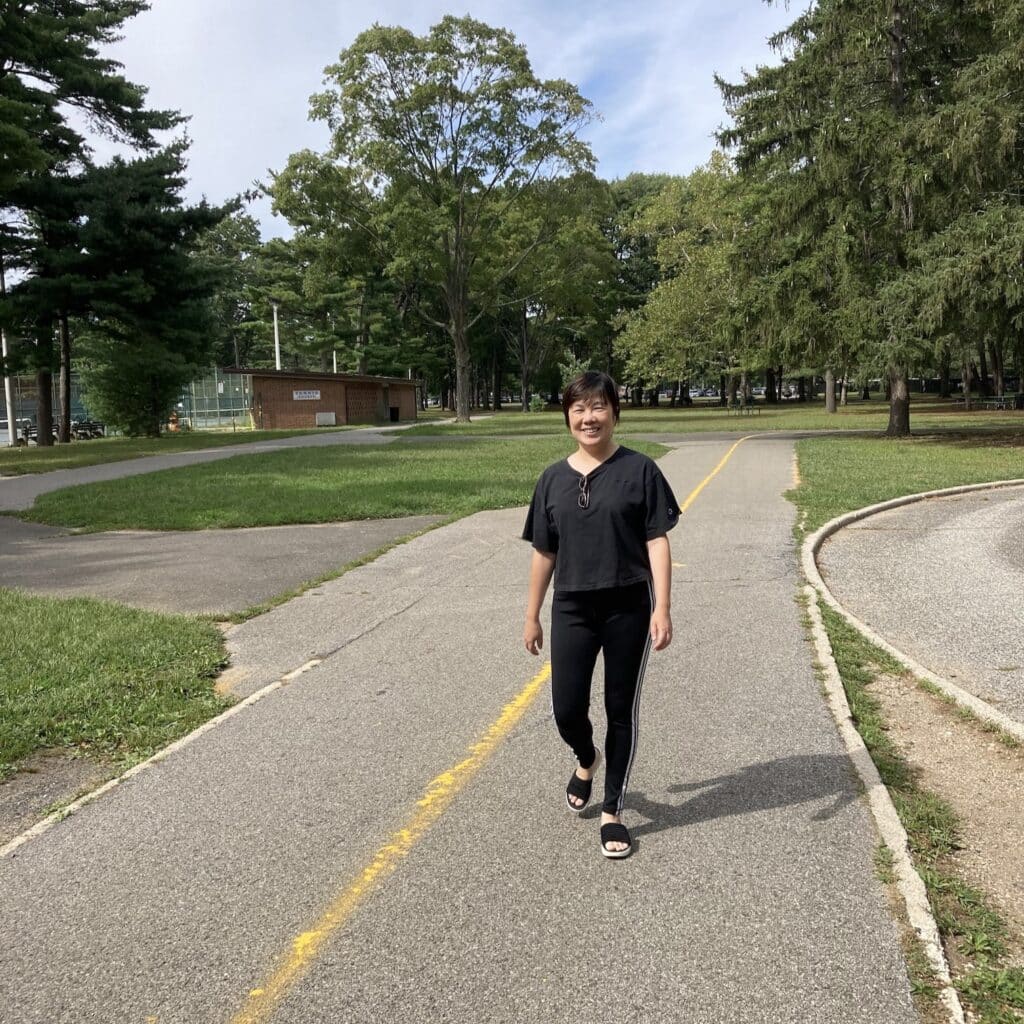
(590, 385)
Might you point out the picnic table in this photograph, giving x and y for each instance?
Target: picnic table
(998, 402)
(743, 407)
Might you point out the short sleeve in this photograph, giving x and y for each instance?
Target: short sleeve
(662, 508)
(539, 530)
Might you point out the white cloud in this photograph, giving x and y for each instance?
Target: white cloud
(244, 70)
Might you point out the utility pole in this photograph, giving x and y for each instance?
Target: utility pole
(12, 418)
(277, 338)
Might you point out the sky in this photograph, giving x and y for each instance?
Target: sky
(243, 71)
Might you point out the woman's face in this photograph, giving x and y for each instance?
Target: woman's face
(591, 422)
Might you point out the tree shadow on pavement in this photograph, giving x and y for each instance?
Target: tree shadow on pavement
(784, 782)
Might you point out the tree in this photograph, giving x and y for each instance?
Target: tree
(835, 135)
(149, 325)
(50, 61)
(550, 303)
(689, 319)
(455, 126)
(232, 249)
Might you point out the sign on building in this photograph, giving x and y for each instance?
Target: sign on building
(306, 396)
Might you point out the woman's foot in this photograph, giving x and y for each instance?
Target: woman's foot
(619, 846)
(577, 793)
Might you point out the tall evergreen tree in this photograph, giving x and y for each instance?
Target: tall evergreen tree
(50, 61)
(836, 133)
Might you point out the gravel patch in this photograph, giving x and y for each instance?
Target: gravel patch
(980, 778)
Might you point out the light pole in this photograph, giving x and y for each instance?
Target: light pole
(277, 338)
(12, 419)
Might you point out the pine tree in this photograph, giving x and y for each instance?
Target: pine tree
(50, 60)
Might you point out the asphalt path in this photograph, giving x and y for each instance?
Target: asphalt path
(201, 572)
(943, 581)
(20, 492)
(291, 850)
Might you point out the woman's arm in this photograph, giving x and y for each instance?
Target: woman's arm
(660, 555)
(541, 567)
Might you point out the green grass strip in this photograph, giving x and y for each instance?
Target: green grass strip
(840, 474)
(315, 485)
(872, 415)
(99, 676)
(933, 830)
(32, 459)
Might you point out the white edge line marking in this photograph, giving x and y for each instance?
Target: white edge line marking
(47, 823)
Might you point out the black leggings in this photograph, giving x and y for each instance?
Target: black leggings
(584, 622)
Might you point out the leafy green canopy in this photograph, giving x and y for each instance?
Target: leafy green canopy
(451, 129)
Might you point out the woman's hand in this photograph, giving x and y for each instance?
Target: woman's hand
(533, 636)
(661, 629)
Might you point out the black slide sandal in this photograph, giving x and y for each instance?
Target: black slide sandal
(581, 788)
(614, 832)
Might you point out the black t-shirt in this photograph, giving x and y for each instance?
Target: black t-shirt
(628, 501)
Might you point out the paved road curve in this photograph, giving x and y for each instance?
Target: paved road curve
(943, 581)
(751, 897)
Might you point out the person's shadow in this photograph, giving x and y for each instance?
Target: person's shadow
(784, 782)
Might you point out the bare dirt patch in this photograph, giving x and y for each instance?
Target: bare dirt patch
(46, 778)
(981, 778)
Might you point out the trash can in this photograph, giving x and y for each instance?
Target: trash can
(393, 410)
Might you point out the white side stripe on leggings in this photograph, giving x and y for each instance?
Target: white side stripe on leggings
(635, 737)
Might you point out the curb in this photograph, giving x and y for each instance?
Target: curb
(887, 821)
(808, 559)
(65, 812)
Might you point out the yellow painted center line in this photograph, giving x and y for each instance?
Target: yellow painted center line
(436, 799)
(700, 487)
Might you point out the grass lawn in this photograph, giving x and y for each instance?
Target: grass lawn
(15, 461)
(839, 474)
(99, 676)
(315, 485)
(858, 415)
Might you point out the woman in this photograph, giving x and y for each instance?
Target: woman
(599, 522)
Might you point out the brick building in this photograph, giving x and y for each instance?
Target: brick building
(289, 399)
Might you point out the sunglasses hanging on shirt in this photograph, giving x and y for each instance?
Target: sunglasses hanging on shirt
(584, 498)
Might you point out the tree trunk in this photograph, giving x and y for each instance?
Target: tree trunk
(725, 389)
(463, 373)
(966, 382)
(996, 350)
(866, 393)
(778, 385)
(944, 381)
(64, 386)
(801, 389)
(44, 383)
(984, 391)
(899, 403)
(496, 377)
(769, 386)
(830, 391)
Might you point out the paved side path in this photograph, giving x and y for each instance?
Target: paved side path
(203, 572)
(943, 581)
(20, 492)
(751, 897)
